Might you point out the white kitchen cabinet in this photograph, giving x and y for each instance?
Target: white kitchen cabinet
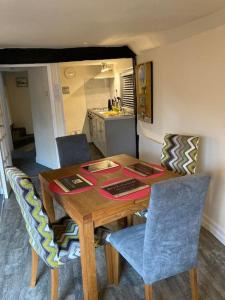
(98, 136)
(114, 135)
(94, 129)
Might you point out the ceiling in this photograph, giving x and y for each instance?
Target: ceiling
(140, 24)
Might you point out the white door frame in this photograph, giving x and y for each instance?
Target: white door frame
(5, 151)
(56, 97)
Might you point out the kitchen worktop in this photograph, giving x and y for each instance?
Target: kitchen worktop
(104, 114)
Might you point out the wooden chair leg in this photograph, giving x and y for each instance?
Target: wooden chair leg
(34, 268)
(130, 220)
(109, 263)
(194, 283)
(116, 265)
(54, 283)
(148, 292)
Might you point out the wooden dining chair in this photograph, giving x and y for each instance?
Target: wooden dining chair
(73, 149)
(168, 243)
(56, 243)
(179, 155)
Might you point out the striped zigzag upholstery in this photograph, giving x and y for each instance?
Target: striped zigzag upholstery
(66, 233)
(54, 250)
(179, 153)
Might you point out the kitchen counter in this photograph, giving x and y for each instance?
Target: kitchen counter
(103, 114)
(112, 134)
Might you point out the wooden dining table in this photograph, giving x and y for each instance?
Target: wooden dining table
(90, 209)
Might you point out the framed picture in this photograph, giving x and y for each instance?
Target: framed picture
(144, 90)
(22, 81)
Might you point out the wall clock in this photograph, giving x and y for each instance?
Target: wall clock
(69, 72)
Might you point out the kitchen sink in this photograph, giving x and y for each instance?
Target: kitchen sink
(113, 113)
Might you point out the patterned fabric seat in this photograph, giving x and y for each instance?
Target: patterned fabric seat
(55, 243)
(179, 154)
(66, 235)
(37, 222)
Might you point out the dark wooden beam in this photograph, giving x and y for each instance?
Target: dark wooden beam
(42, 55)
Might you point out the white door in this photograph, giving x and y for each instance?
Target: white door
(56, 98)
(43, 118)
(5, 136)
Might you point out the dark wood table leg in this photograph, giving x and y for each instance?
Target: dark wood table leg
(88, 262)
(47, 202)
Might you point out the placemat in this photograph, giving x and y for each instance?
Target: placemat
(133, 196)
(57, 189)
(111, 170)
(129, 173)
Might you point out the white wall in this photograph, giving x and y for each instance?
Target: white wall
(56, 97)
(19, 101)
(121, 66)
(46, 150)
(85, 92)
(88, 92)
(189, 97)
(97, 92)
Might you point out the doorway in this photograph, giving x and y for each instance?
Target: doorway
(27, 91)
(88, 88)
(21, 123)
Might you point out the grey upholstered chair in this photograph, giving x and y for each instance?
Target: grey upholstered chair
(168, 243)
(73, 149)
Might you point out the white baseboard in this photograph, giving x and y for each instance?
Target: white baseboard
(214, 228)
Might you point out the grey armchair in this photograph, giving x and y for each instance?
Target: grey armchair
(168, 243)
(73, 149)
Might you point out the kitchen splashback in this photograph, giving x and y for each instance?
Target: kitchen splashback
(97, 92)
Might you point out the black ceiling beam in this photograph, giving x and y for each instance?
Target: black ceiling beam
(44, 55)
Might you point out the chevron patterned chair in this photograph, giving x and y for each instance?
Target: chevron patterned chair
(167, 244)
(179, 154)
(55, 243)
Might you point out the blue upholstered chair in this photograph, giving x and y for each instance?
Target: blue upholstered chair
(168, 243)
(73, 149)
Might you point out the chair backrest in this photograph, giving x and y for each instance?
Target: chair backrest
(73, 149)
(179, 153)
(36, 219)
(173, 226)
